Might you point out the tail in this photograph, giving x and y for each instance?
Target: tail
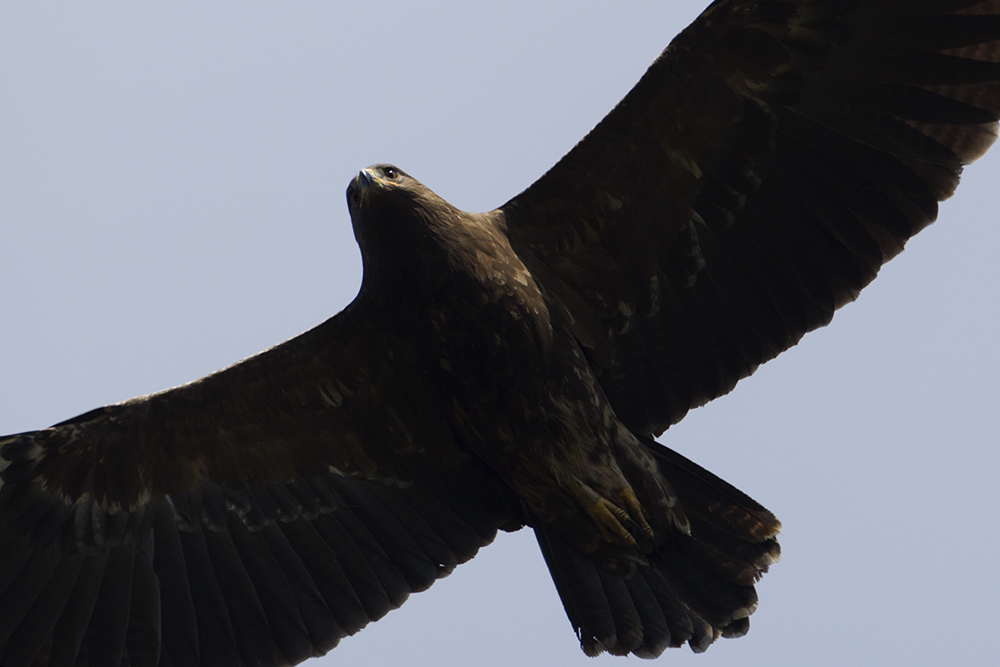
(693, 588)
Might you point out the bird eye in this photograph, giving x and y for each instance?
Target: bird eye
(354, 197)
(391, 174)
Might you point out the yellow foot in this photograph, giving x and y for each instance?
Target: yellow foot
(635, 510)
(612, 519)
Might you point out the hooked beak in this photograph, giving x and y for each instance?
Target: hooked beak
(365, 178)
(361, 187)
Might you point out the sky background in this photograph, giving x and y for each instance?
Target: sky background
(172, 200)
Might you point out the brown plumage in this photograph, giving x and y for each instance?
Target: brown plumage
(509, 368)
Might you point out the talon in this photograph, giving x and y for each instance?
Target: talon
(635, 510)
(610, 519)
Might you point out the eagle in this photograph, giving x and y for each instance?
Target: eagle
(510, 369)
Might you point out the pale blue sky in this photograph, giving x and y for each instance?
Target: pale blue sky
(171, 200)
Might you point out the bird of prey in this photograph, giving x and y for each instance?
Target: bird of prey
(510, 369)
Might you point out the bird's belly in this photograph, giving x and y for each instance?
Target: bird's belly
(527, 404)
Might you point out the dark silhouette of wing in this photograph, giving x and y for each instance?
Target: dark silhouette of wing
(255, 516)
(754, 181)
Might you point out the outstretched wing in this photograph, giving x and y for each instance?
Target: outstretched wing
(255, 516)
(755, 180)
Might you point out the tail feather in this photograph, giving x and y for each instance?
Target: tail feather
(728, 558)
(656, 635)
(716, 600)
(712, 498)
(692, 588)
(582, 593)
(628, 622)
